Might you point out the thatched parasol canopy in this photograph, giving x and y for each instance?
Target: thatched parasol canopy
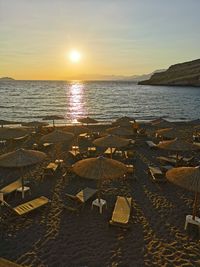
(99, 168)
(120, 131)
(57, 137)
(87, 120)
(111, 141)
(11, 133)
(177, 145)
(124, 122)
(21, 158)
(53, 118)
(76, 130)
(5, 122)
(161, 123)
(35, 124)
(188, 178)
(161, 132)
(125, 118)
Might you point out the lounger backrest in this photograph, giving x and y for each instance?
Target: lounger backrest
(11, 187)
(31, 205)
(122, 210)
(5, 262)
(85, 194)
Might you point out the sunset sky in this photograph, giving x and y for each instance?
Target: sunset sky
(112, 37)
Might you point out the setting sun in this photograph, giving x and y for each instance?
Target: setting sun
(74, 56)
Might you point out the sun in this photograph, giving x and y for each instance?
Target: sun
(75, 56)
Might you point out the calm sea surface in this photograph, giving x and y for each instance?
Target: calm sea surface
(31, 100)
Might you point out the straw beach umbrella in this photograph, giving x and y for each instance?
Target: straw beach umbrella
(111, 141)
(57, 136)
(164, 131)
(188, 178)
(124, 119)
(21, 158)
(53, 118)
(177, 145)
(120, 131)
(5, 122)
(76, 130)
(99, 169)
(35, 124)
(161, 123)
(124, 122)
(11, 133)
(87, 120)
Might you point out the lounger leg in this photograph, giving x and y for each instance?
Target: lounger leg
(186, 223)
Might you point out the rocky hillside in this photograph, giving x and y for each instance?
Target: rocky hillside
(185, 74)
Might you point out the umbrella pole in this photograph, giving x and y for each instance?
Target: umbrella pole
(195, 205)
(99, 186)
(111, 152)
(176, 159)
(53, 124)
(22, 179)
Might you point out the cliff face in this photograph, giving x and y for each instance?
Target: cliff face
(185, 74)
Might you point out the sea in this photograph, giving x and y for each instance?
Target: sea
(25, 101)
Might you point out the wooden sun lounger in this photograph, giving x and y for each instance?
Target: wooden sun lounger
(30, 205)
(7, 263)
(108, 151)
(80, 198)
(156, 174)
(151, 144)
(122, 211)
(11, 187)
(167, 160)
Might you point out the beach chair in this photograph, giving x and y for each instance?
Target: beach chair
(28, 206)
(122, 211)
(11, 187)
(7, 263)
(75, 202)
(167, 160)
(156, 174)
(50, 169)
(151, 144)
(75, 155)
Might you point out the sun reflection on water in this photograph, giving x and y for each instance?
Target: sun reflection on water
(76, 95)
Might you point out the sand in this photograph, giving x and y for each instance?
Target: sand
(54, 236)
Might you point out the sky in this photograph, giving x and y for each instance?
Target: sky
(113, 37)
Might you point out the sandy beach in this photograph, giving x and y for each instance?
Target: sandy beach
(53, 236)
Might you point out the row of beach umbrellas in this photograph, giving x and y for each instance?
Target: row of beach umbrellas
(101, 168)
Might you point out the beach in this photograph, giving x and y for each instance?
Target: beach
(55, 236)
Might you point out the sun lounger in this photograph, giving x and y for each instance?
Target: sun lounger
(156, 174)
(50, 169)
(122, 211)
(166, 167)
(151, 144)
(107, 152)
(7, 263)
(11, 187)
(187, 161)
(29, 206)
(80, 198)
(75, 155)
(167, 160)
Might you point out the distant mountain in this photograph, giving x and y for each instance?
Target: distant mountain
(142, 77)
(7, 79)
(134, 78)
(182, 74)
